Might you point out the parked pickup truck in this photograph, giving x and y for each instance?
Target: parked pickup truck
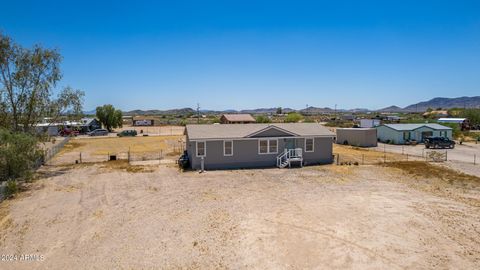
(439, 142)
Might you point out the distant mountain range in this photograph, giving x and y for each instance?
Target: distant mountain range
(439, 102)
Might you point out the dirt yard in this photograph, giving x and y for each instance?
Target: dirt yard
(117, 216)
(96, 149)
(156, 130)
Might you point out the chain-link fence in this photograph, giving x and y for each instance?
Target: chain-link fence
(368, 157)
(358, 156)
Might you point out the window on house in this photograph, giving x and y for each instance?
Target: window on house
(406, 135)
(272, 146)
(263, 145)
(309, 145)
(268, 146)
(228, 148)
(201, 151)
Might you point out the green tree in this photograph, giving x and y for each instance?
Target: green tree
(293, 117)
(279, 110)
(109, 117)
(473, 116)
(27, 79)
(263, 119)
(19, 154)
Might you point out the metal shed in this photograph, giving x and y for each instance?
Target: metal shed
(362, 137)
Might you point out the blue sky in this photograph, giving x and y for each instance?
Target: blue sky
(250, 54)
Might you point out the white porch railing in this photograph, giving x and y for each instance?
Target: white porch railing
(284, 159)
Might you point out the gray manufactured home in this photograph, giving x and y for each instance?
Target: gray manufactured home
(234, 146)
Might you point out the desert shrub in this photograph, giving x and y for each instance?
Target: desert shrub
(11, 188)
(293, 117)
(19, 153)
(263, 119)
(456, 131)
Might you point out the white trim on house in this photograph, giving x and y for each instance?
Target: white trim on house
(305, 145)
(268, 146)
(231, 148)
(271, 127)
(204, 148)
(261, 138)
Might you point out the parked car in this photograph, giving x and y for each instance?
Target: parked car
(68, 132)
(439, 142)
(98, 132)
(126, 133)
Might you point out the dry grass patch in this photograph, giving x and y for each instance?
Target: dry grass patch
(124, 165)
(104, 146)
(353, 154)
(439, 180)
(427, 170)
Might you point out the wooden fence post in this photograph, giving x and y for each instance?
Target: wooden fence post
(80, 157)
(338, 159)
(363, 159)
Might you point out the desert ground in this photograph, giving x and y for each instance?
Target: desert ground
(112, 215)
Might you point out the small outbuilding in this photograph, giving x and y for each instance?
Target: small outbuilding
(405, 133)
(237, 119)
(369, 123)
(362, 137)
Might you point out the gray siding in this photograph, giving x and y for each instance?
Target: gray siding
(357, 137)
(245, 153)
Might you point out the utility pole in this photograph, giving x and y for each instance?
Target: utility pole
(198, 113)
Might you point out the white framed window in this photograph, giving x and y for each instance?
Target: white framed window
(263, 146)
(309, 145)
(268, 146)
(273, 146)
(228, 148)
(201, 149)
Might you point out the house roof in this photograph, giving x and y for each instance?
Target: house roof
(235, 131)
(239, 117)
(452, 120)
(406, 127)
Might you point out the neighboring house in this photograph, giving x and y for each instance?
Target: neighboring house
(452, 120)
(89, 124)
(50, 129)
(258, 145)
(369, 123)
(463, 123)
(237, 119)
(403, 133)
(393, 118)
(362, 137)
(348, 117)
(143, 122)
